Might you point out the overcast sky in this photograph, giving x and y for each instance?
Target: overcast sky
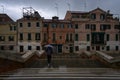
(47, 8)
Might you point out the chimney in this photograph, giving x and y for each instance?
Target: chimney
(55, 18)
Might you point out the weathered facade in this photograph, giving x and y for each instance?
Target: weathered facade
(8, 34)
(95, 30)
(29, 32)
(78, 32)
(60, 33)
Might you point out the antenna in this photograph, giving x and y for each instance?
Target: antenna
(99, 3)
(68, 6)
(56, 6)
(2, 8)
(85, 5)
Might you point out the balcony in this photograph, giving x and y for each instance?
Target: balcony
(97, 43)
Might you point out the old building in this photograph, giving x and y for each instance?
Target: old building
(59, 33)
(8, 34)
(77, 32)
(29, 31)
(95, 30)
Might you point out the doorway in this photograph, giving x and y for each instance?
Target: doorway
(98, 48)
(71, 49)
(21, 48)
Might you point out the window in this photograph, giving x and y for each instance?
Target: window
(45, 37)
(88, 48)
(37, 24)
(21, 48)
(102, 27)
(93, 16)
(21, 24)
(102, 16)
(29, 36)
(117, 37)
(37, 36)
(11, 28)
(54, 37)
(46, 25)
(88, 37)
(76, 48)
(29, 47)
(93, 27)
(67, 37)
(117, 48)
(76, 26)
(108, 48)
(108, 37)
(87, 26)
(61, 25)
(69, 25)
(11, 48)
(117, 27)
(2, 48)
(11, 38)
(29, 24)
(54, 25)
(37, 47)
(60, 37)
(15, 28)
(21, 36)
(92, 48)
(108, 26)
(2, 38)
(71, 37)
(105, 26)
(76, 37)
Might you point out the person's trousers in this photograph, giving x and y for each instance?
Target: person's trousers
(49, 59)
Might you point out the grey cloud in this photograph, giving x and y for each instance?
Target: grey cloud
(47, 7)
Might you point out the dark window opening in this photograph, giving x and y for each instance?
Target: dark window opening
(87, 26)
(2, 38)
(29, 36)
(29, 24)
(76, 26)
(88, 48)
(29, 47)
(21, 24)
(76, 48)
(93, 16)
(117, 48)
(2, 48)
(11, 47)
(88, 37)
(76, 37)
(37, 47)
(37, 24)
(37, 36)
(21, 36)
(108, 37)
(108, 48)
(11, 38)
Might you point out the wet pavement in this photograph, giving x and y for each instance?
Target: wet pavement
(64, 67)
(63, 73)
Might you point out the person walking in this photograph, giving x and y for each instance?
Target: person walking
(49, 52)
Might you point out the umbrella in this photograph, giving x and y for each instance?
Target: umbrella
(48, 45)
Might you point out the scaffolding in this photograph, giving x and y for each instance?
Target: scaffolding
(29, 12)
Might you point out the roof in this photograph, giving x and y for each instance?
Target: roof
(78, 12)
(58, 21)
(4, 18)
